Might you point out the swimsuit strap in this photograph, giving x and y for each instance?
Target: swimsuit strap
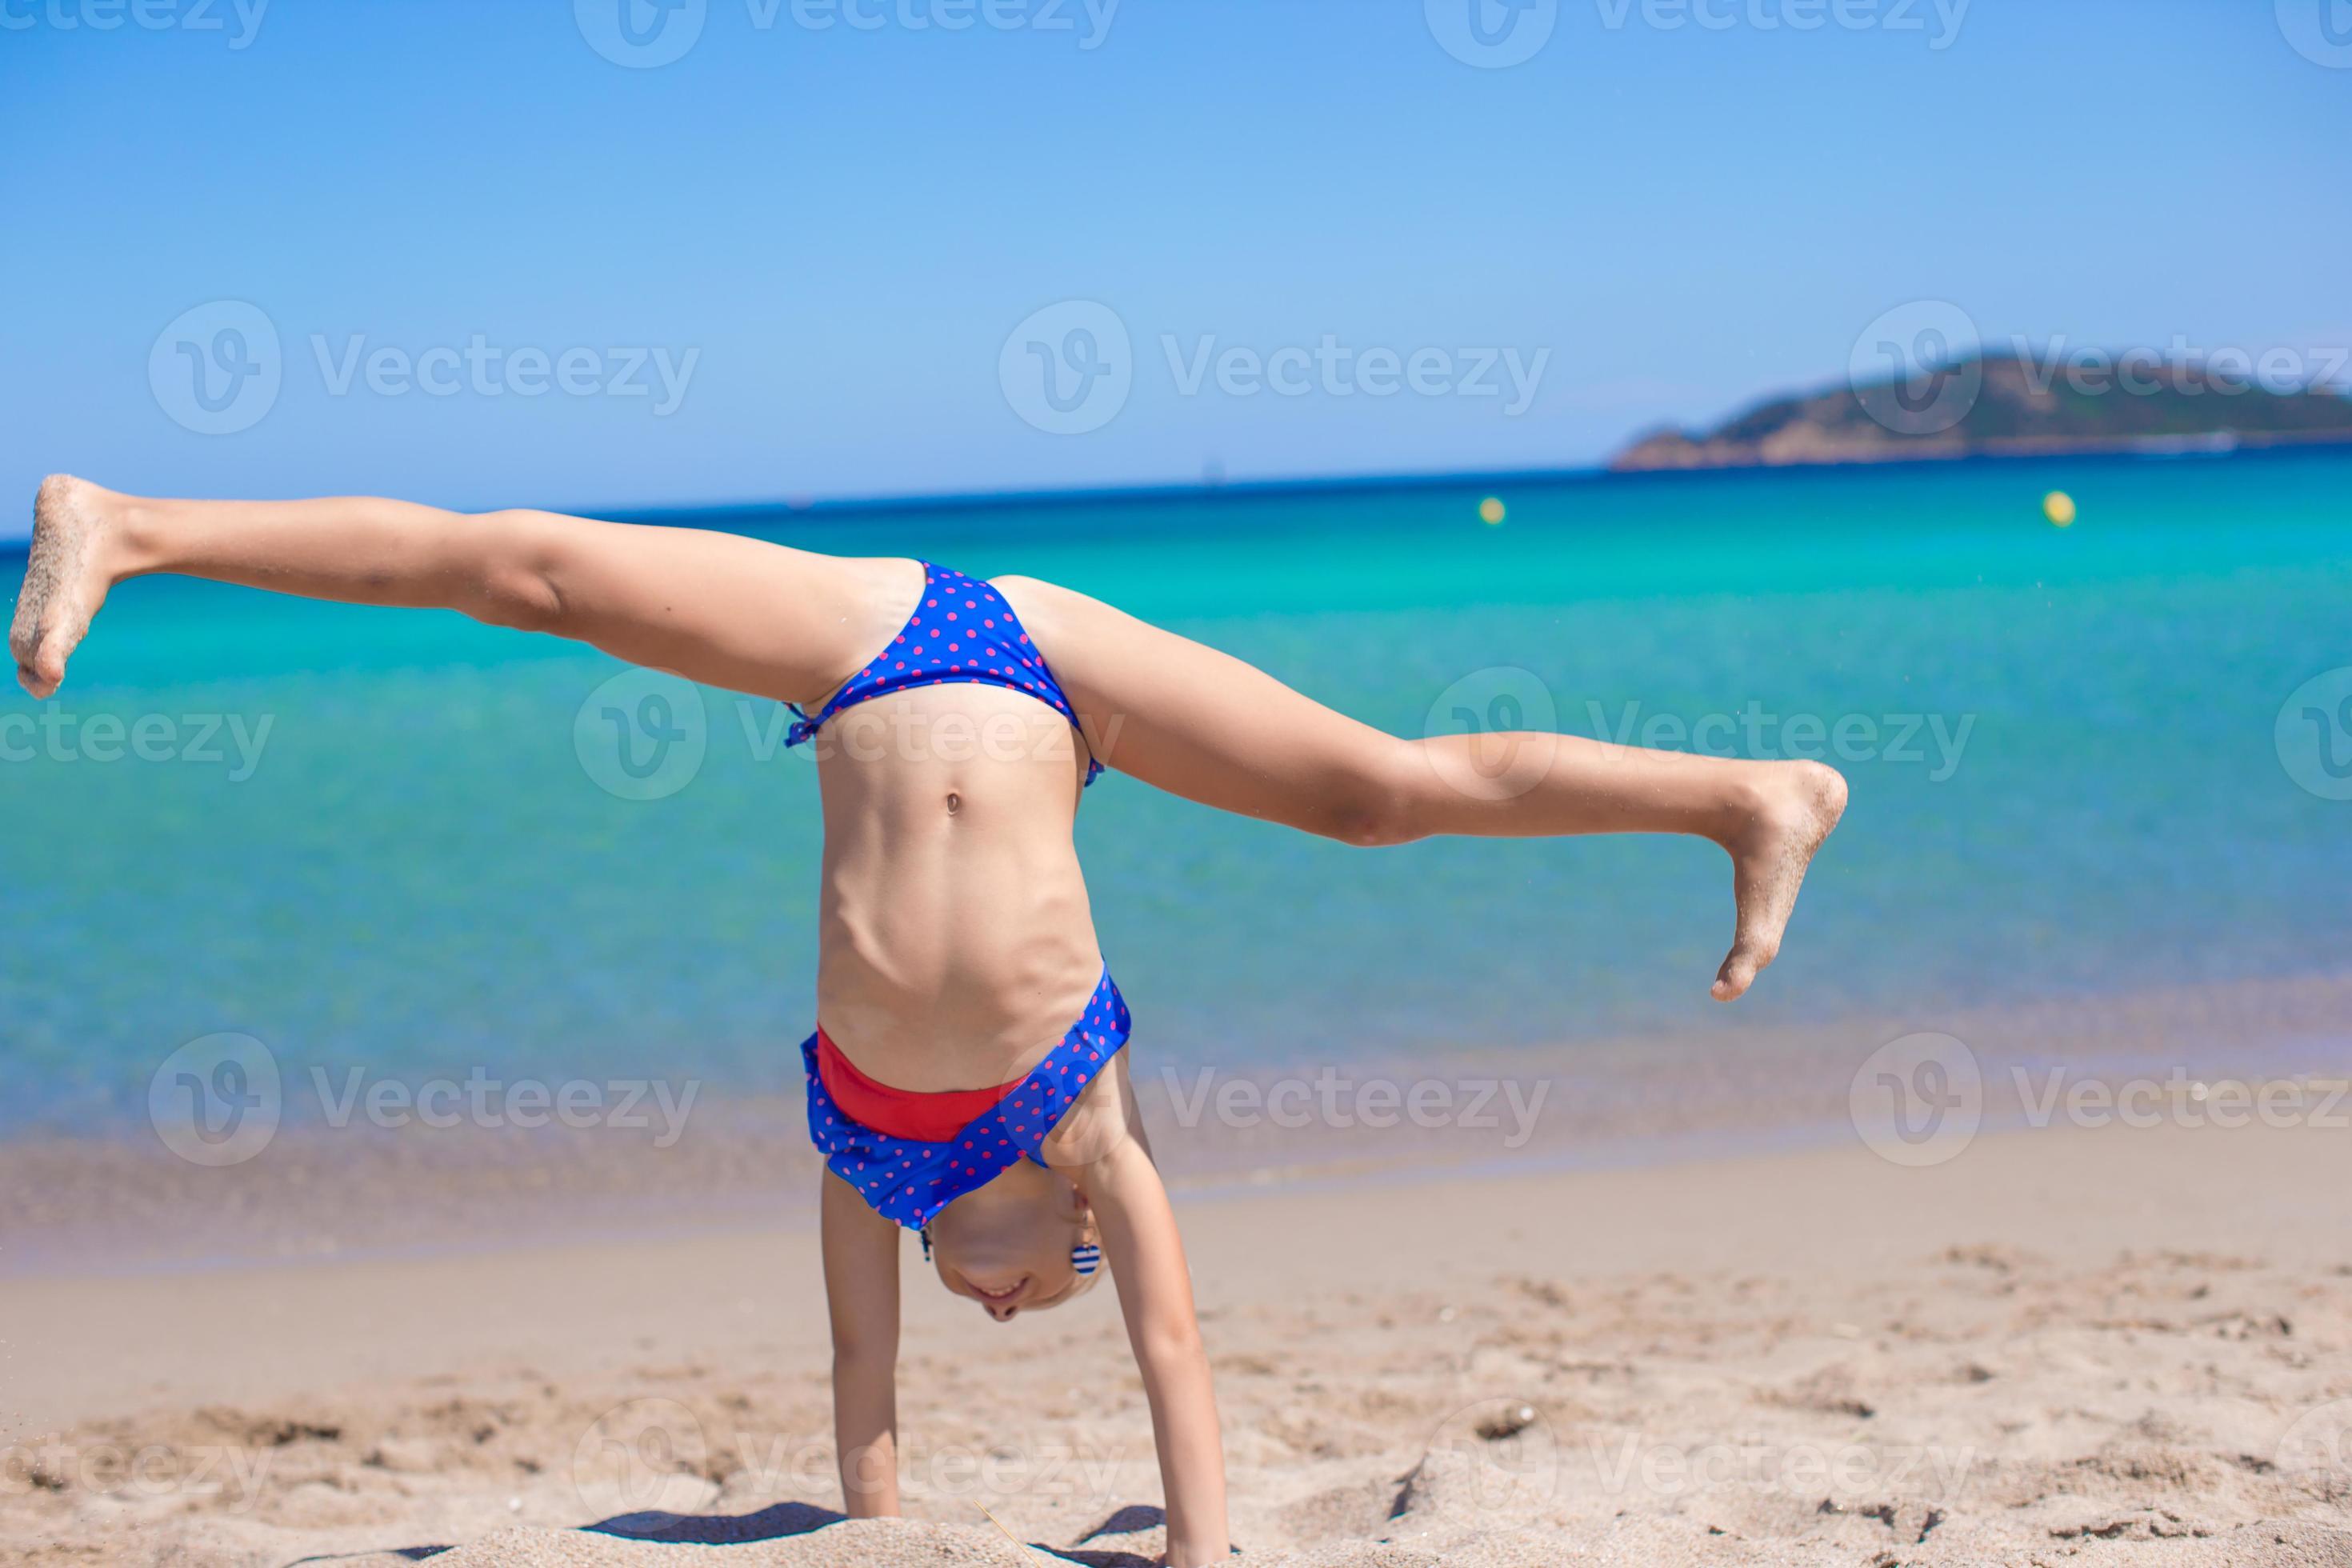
(910, 1180)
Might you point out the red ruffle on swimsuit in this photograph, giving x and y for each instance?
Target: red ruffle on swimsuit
(902, 1113)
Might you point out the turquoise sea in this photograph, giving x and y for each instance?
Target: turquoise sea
(371, 838)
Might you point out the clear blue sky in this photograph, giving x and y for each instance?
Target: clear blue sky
(845, 225)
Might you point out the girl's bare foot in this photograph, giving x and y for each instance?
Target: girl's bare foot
(66, 579)
(1798, 804)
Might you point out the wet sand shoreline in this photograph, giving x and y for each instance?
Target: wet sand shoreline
(126, 1205)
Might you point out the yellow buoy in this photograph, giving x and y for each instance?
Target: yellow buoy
(1490, 510)
(2059, 508)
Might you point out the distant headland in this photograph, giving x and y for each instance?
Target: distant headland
(2012, 405)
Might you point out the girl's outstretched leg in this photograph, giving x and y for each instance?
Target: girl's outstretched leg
(1206, 726)
(715, 608)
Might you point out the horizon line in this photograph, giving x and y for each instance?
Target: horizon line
(1182, 491)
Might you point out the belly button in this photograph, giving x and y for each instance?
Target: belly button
(955, 802)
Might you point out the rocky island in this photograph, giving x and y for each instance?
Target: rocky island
(2015, 405)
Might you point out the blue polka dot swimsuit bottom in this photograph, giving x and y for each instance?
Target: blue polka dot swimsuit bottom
(910, 1180)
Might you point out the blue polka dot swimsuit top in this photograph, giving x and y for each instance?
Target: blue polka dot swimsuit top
(962, 630)
(909, 1179)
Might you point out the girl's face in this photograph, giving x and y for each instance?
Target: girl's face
(1007, 1245)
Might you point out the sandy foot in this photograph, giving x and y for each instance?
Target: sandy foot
(65, 581)
(1769, 863)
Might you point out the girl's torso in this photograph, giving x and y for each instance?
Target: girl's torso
(956, 944)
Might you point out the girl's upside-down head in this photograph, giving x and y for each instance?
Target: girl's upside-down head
(1015, 1244)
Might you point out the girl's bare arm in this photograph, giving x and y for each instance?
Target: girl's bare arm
(861, 1289)
(1098, 1146)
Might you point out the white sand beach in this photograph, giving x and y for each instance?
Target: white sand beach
(2081, 1347)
